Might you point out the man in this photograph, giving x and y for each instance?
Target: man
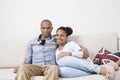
(40, 57)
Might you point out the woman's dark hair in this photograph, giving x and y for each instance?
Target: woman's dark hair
(68, 30)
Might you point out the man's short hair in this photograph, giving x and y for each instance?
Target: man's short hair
(47, 21)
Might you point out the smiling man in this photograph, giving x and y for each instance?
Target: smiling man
(40, 57)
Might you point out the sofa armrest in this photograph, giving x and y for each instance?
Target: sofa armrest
(119, 44)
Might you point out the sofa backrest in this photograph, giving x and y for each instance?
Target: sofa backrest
(94, 42)
(12, 54)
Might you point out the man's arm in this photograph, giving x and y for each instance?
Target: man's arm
(27, 59)
(85, 52)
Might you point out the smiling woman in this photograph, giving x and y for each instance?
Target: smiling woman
(69, 53)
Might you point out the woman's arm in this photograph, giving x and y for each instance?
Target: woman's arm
(62, 54)
(73, 49)
(83, 49)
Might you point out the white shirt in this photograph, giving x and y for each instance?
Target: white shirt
(72, 47)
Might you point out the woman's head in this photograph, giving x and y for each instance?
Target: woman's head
(62, 33)
(68, 31)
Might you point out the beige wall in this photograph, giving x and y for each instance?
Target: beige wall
(22, 17)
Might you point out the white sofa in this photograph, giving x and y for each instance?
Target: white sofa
(93, 42)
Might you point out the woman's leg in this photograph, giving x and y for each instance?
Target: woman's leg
(68, 72)
(79, 63)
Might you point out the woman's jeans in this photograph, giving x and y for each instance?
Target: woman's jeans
(75, 67)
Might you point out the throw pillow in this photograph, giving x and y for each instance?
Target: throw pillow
(104, 54)
(117, 54)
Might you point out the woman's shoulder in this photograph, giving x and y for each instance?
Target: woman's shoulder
(72, 42)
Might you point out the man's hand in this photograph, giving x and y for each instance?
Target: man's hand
(62, 54)
(15, 69)
(85, 52)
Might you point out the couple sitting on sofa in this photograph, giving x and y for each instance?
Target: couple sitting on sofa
(69, 57)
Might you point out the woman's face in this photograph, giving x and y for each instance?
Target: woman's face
(61, 37)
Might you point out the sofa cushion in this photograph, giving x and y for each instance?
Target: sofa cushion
(7, 74)
(89, 77)
(104, 54)
(117, 54)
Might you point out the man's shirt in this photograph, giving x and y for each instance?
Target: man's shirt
(38, 53)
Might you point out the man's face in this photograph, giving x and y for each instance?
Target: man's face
(46, 29)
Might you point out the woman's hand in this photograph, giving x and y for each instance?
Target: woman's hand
(62, 54)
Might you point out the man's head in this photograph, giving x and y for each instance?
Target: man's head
(46, 27)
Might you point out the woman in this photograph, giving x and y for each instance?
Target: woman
(71, 61)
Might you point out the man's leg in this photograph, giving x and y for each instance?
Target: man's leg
(51, 72)
(26, 71)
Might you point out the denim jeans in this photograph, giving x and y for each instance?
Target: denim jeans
(74, 67)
